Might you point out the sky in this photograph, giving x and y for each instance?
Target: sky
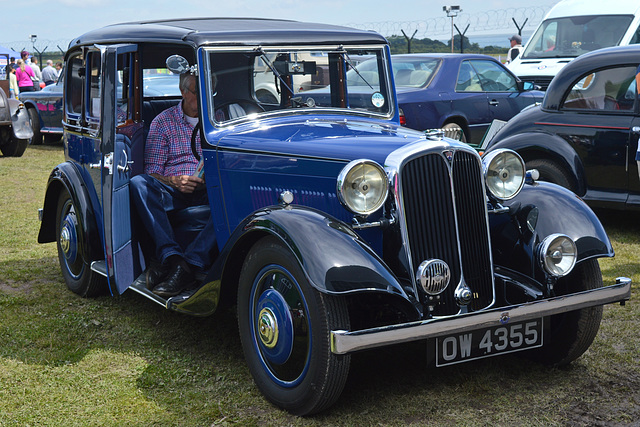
(62, 20)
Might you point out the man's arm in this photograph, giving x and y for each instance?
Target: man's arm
(184, 183)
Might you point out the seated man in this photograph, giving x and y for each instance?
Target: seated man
(168, 183)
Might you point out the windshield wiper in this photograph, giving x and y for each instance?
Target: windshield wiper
(343, 53)
(269, 64)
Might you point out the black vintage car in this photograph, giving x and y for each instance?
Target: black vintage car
(584, 136)
(336, 229)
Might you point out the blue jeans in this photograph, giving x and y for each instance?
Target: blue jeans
(153, 200)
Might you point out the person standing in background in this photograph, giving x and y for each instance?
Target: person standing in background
(14, 90)
(516, 47)
(49, 74)
(24, 75)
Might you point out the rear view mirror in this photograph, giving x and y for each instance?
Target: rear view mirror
(178, 64)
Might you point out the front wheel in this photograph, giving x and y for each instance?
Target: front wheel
(35, 126)
(284, 326)
(73, 254)
(550, 171)
(571, 334)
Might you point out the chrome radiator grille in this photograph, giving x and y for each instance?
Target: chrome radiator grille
(434, 194)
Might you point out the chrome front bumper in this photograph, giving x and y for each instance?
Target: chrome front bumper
(343, 342)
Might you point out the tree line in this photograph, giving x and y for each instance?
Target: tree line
(400, 44)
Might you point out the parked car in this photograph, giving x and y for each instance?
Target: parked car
(15, 131)
(45, 112)
(468, 91)
(324, 250)
(573, 28)
(584, 136)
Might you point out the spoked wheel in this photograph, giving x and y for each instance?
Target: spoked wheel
(284, 327)
(454, 131)
(572, 333)
(72, 251)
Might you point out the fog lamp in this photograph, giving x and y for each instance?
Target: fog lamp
(362, 186)
(504, 173)
(558, 254)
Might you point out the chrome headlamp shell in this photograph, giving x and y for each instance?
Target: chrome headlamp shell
(504, 173)
(362, 186)
(558, 254)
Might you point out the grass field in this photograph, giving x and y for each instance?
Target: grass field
(113, 361)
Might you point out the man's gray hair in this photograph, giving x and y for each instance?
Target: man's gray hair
(185, 80)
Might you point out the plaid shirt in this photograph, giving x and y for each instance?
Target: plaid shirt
(168, 148)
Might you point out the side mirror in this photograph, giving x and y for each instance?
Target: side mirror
(178, 64)
(528, 86)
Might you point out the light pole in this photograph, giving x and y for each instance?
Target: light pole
(33, 38)
(452, 12)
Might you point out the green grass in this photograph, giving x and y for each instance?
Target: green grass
(113, 361)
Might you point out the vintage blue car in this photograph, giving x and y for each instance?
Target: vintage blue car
(467, 91)
(336, 229)
(45, 112)
(584, 136)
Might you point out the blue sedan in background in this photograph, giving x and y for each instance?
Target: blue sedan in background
(45, 112)
(468, 91)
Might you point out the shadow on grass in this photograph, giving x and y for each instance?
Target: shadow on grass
(195, 367)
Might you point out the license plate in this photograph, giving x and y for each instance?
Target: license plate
(488, 342)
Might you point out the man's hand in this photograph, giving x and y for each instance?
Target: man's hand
(183, 183)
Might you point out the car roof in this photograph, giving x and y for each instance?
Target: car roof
(597, 59)
(460, 56)
(592, 7)
(228, 31)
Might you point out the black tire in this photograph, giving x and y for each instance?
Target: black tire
(12, 146)
(550, 171)
(571, 334)
(35, 125)
(296, 370)
(454, 126)
(72, 251)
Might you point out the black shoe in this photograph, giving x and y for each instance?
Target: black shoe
(155, 275)
(178, 279)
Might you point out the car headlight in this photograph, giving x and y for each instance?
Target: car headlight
(558, 254)
(504, 173)
(362, 186)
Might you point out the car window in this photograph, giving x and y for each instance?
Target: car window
(468, 80)
(493, 77)
(611, 89)
(278, 80)
(414, 72)
(575, 35)
(74, 92)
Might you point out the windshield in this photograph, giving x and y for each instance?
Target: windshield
(269, 80)
(407, 72)
(573, 36)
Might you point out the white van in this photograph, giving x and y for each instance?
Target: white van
(574, 27)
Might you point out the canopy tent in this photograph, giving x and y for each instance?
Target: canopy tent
(10, 52)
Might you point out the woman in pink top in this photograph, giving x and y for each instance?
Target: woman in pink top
(24, 74)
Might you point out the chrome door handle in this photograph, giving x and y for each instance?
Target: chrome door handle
(493, 102)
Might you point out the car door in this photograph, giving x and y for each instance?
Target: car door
(470, 101)
(118, 70)
(596, 118)
(503, 97)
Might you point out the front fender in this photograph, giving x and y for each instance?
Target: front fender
(333, 257)
(20, 122)
(65, 177)
(558, 211)
(537, 145)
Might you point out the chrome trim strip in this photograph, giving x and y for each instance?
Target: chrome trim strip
(343, 342)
